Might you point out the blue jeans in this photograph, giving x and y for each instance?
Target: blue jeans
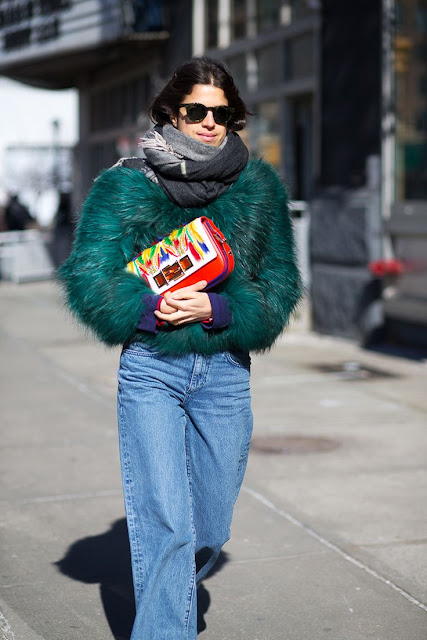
(185, 424)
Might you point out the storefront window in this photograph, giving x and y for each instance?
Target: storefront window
(265, 133)
(119, 105)
(303, 8)
(238, 19)
(237, 66)
(211, 24)
(101, 156)
(268, 13)
(268, 65)
(148, 15)
(299, 57)
(411, 99)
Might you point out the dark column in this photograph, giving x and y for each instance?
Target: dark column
(351, 89)
(346, 215)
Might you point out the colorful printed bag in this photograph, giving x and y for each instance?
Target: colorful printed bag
(197, 251)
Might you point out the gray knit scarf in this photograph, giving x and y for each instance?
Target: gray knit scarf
(190, 172)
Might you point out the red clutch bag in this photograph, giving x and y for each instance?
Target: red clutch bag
(197, 251)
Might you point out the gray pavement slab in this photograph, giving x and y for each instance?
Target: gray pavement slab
(302, 590)
(324, 544)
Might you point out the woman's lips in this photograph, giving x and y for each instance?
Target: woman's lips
(208, 137)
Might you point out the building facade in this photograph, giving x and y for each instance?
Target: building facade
(339, 94)
(271, 49)
(115, 52)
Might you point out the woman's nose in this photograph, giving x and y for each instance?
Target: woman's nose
(209, 120)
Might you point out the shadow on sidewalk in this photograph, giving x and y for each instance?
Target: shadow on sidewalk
(105, 558)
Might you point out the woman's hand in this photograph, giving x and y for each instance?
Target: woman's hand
(189, 304)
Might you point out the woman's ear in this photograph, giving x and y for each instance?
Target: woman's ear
(174, 121)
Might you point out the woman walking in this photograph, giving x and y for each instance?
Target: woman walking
(184, 412)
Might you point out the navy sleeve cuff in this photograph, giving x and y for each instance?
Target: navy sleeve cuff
(148, 321)
(221, 314)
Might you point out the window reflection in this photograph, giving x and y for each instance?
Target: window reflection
(211, 24)
(265, 135)
(148, 15)
(264, 15)
(237, 66)
(238, 19)
(268, 13)
(411, 99)
(119, 105)
(272, 13)
(303, 8)
(101, 155)
(268, 65)
(299, 57)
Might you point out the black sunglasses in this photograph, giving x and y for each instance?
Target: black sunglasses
(197, 112)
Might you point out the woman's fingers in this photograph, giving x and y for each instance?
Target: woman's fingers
(181, 316)
(176, 318)
(179, 304)
(186, 292)
(165, 307)
(198, 305)
(192, 307)
(172, 318)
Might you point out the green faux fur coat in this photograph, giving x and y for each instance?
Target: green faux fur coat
(125, 212)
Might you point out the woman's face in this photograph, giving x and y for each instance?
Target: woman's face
(207, 131)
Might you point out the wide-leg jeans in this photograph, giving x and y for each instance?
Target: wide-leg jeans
(185, 424)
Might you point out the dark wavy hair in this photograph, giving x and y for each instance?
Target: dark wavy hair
(201, 70)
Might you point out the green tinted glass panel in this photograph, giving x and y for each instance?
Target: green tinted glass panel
(410, 47)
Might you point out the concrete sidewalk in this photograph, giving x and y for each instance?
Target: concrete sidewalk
(330, 531)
